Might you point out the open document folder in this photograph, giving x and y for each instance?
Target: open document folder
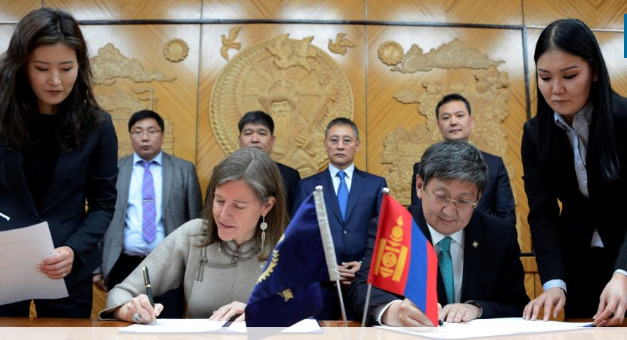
(180, 326)
(21, 250)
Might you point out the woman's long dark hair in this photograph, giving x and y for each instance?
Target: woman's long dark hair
(574, 37)
(78, 113)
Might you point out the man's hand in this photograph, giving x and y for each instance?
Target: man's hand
(405, 314)
(553, 297)
(459, 312)
(98, 281)
(347, 271)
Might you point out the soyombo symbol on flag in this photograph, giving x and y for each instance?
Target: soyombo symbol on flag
(404, 261)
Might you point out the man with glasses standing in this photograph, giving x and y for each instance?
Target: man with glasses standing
(157, 192)
(479, 270)
(352, 197)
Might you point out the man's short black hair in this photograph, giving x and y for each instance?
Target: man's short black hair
(256, 118)
(143, 114)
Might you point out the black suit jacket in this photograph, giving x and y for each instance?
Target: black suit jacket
(89, 173)
(291, 179)
(497, 197)
(493, 275)
(561, 237)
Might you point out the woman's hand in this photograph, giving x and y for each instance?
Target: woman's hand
(226, 312)
(553, 297)
(139, 305)
(613, 304)
(59, 265)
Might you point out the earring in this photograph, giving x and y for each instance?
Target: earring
(263, 226)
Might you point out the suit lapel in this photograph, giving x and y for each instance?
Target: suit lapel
(330, 195)
(124, 178)
(166, 184)
(472, 237)
(357, 186)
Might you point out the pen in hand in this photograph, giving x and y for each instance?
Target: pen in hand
(149, 289)
(230, 321)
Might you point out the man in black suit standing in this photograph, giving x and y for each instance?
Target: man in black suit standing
(479, 270)
(256, 130)
(456, 122)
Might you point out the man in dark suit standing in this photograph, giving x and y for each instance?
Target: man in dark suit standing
(479, 270)
(136, 229)
(352, 197)
(456, 122)
(256, 130)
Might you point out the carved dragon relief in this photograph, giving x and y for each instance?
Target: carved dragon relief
(294, 81)
(110, 66)
(487, 92)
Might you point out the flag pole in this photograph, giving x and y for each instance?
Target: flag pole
(327, 242)
(384, 191)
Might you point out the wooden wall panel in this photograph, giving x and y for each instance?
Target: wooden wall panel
(607, 14)
(284, 9)
(352, 64)
(388, 117)
(128, 10)
(12, 11)
(508, 12)
(140, 53)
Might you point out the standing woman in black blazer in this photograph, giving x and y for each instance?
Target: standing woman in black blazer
(58, 150)
(575, 151)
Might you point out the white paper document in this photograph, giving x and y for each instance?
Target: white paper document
(21, 250)
(488, 328)
(180, 326)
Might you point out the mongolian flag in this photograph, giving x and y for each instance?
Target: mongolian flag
(404, 261)
(288, 289)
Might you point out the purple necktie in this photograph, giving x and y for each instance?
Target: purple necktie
(149, 213)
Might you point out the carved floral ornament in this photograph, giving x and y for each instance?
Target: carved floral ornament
(486, 90)
(294, 81)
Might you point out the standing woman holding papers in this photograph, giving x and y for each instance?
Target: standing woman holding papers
(58, 150)
(575, 152)
(217, 259)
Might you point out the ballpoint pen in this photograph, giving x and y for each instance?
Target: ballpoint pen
(230, 321)
(148, 289)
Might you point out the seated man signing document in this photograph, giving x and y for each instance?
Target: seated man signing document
(484, 275)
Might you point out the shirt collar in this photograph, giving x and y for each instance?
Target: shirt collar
(436, 237)
(157, 159)
(583, 117)
(349, 171)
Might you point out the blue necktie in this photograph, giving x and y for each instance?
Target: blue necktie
(149, 211)
(342, 193)
(446, 268)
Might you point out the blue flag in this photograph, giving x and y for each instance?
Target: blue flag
(288, 290)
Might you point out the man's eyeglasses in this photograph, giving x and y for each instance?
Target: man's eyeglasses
(459, 204)
(150, 132)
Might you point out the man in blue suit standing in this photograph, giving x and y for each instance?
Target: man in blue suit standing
(352, 197)
(456, 122)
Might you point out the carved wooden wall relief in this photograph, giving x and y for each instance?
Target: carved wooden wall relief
(229, 42)
(486, 90)
(175, 50)
(110, 66)
(297, 83)
(340, 45)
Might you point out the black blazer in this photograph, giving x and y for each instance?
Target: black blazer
(493, 274)
(497, 197)
(561, 237)
(291, 179)
(87, 173)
